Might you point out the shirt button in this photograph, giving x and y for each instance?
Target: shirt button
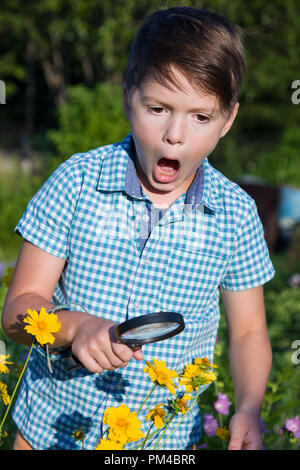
(147, 260)
(137, 304)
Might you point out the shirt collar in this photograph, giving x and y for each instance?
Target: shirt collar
(118, 173)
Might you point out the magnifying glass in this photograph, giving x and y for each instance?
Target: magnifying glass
(149, 328)
(145, 329)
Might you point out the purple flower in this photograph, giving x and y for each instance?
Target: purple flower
(202, 446)
(210, 425)
(293, 425)
(294, 280)
(222, 404)
(262, 426)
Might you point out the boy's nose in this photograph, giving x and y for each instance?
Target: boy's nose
(174, 132)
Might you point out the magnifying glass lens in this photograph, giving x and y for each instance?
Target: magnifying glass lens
(146, 332)
(150, 328)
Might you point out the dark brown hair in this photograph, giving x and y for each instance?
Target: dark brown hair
(204, 46)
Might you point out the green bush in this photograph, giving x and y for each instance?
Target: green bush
(89, 118)
(16, 190)
(281, 165)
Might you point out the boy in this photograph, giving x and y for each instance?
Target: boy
(143, 226)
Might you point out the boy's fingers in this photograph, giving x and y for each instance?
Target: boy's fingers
(123, 352)
(91, 364)
(138, 355)
(235, 444)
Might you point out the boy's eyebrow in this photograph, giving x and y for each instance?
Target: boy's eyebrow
(194, 110)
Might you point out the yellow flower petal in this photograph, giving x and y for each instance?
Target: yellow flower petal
(223, 434)
(4, 394)
(158, 422)
(157, 415)
(109, 444)
(3, 368)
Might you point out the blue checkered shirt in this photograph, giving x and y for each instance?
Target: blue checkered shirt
(125, 258)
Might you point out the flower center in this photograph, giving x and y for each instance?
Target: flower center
(42, 325)
(163, 376)
(121, 422)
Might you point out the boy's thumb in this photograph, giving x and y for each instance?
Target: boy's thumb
(236, 439)
(138, 354)
(235, 444)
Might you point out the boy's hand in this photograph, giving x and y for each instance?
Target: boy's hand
(93, 346)
(245, 431)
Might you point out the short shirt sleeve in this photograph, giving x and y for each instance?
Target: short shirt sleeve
(47, 219)
(250, 265)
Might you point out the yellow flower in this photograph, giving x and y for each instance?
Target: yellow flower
(208, 377)
(109, 444)
(124, 424)
(42, 325)
(6, 279)
(3, 368)
(4, 394)
(157, 415)
(204, 363)
(223, 434)
(161, 375)
(189, 378)
(182, 402)
(197, 374)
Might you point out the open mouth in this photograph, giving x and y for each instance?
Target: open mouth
(168, 164)
(167, 170)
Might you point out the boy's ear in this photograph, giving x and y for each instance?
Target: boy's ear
(230, 120)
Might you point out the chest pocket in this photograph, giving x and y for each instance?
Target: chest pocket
(191, 278)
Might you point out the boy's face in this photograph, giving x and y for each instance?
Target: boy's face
(173, 130)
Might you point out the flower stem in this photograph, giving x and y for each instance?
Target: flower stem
(104, 432)
(165, 430)
(16, 387)
(179, 422)
(155, 432)
(150, 393)
(147, 436)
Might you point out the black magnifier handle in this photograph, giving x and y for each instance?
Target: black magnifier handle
(73, 363)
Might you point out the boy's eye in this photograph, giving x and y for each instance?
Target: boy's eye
(201, 118)
(156, 109)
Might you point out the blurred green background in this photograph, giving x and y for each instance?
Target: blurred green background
(63, 64)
